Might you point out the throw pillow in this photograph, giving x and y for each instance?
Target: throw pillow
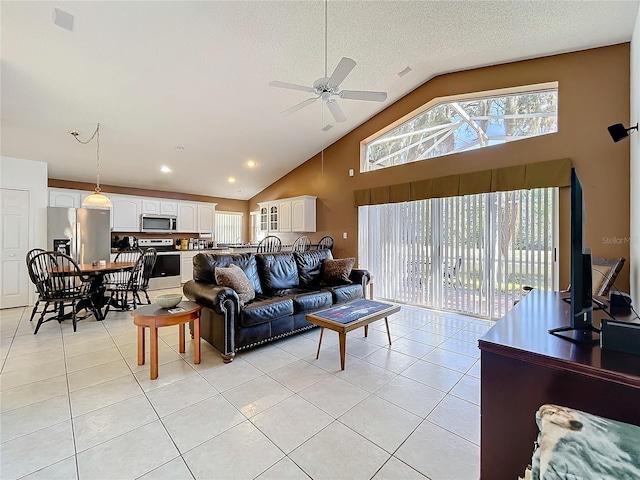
(336, 272)
(233, 277)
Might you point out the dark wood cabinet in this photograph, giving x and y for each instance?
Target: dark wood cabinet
(524, 367)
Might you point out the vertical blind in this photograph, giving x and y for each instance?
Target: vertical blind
(471, 254)
(228, 227)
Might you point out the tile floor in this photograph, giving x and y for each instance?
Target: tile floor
(77, 405)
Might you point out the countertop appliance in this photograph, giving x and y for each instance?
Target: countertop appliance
(158, 223)
(166, 272)
(82, 233)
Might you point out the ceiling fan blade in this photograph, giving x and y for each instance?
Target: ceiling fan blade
(291, 86)
(343, 69)
(363, 95)
(298, 106)
(336, 111)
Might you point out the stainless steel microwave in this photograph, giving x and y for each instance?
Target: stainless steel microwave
(159, 223)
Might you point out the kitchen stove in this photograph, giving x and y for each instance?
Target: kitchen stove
(166, 272)
(160, 244)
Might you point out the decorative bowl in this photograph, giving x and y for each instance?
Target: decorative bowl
(168, 300)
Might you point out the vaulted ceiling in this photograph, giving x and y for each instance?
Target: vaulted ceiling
(158, 75)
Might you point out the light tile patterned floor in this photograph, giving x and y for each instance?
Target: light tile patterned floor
(77, 405)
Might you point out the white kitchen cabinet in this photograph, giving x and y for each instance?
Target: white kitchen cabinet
(187, 217)
(263, 217)
(303, 214)
(206, 217)
(186, 267)
(168, 208)
(157, 206)
(63, 197)
(274, 226)
(151, 206)
(284, 216)
(193, 217)
(295, 214)
(126, 213)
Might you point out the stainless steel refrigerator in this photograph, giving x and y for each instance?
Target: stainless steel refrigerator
(82, 233)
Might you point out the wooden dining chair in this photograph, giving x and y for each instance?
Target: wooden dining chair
(325, 242)
(119, 283)
(140, 277)
(302, 244)
(60, 281)
(30, 254)
(270, 244)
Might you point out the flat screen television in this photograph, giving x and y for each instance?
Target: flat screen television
(580, 329)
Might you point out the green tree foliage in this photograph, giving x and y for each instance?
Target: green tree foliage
(457, 126)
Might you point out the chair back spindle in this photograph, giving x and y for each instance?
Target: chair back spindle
(270, 244)
(302, 244)
(325, 242)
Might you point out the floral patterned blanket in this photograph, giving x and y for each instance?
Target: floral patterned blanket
(574, 445)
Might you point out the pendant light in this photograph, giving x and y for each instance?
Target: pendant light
(96, 199)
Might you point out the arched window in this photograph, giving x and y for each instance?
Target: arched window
(464, 122)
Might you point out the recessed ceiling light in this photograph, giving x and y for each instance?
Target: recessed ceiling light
(327, 127)
(250, 163)
(165, 169)
(179, 148)
(404, 72)
(231, 180)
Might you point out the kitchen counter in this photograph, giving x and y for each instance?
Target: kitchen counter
(215, 249)
(204, 250)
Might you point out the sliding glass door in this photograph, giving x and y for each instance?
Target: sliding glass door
(471, 254)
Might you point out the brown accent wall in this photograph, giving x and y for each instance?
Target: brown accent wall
(223, 204)
(593, 93)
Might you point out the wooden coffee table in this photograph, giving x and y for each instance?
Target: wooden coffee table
(349, 316)
(154, 316)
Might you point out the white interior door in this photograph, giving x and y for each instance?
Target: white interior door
(14, 245)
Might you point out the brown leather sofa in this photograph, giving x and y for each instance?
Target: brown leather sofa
(287, 288)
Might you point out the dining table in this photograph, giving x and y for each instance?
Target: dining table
(97, 271)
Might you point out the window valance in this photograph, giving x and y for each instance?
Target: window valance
(552, 173)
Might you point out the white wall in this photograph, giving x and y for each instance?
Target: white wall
(634, 116)
(32, 176)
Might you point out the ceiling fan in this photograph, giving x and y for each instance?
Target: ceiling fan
(328, 88)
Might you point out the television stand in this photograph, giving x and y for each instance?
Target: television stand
(588, 335)
(523, 367)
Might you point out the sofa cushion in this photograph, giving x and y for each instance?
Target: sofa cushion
(310, 266)
(234, 277)
(309, 302)
(264, 311)
(204, 265)
(345, 293)
(336, 272)
(277, 271)
(289, 292)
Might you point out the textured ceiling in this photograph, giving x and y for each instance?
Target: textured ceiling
(196, 74)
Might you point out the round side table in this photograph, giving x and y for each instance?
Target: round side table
(153, 317)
